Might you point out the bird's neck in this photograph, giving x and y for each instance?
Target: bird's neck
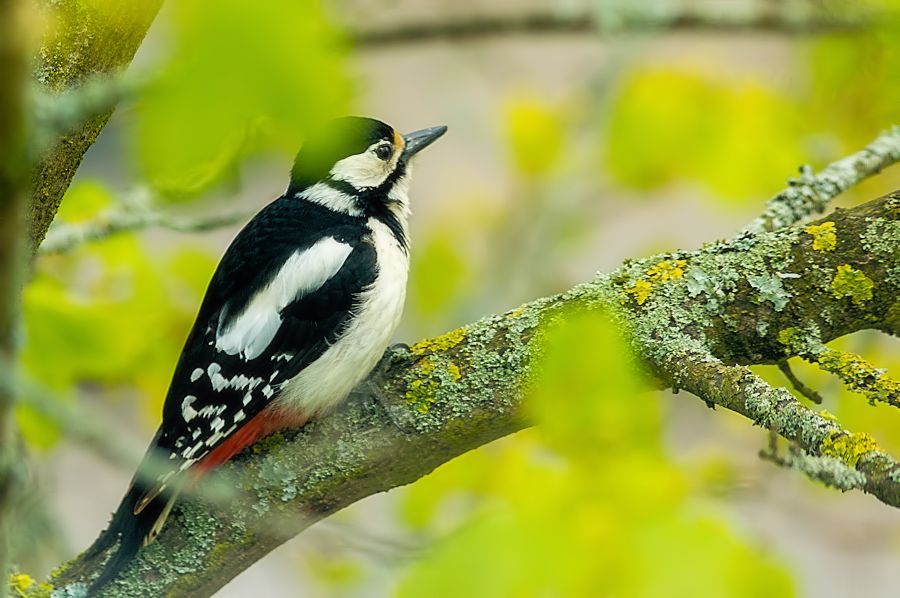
(389, 206)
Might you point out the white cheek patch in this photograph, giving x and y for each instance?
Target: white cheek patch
(365, 169)
(304, 272)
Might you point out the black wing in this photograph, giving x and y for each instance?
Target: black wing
(227, 389)
(213, 393)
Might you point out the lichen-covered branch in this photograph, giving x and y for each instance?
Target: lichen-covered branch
(696, 319)
(65, 237)
(89, 39)
(810, 194)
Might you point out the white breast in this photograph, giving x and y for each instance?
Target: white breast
(329, 379)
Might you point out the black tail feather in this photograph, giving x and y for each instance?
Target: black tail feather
(129, 530)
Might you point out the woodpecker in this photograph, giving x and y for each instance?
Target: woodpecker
(300, 309)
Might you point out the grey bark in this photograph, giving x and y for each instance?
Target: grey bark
(696, 331)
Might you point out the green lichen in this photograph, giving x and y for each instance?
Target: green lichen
(217, 558)
(852, 283)
(824, 237)
(848, 447)
(771, 289)
(881, 238)
(268, 443)
(440, 343)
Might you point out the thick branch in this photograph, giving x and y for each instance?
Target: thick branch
(94, 38)
(715, 308)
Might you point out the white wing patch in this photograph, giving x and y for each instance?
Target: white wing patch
(304, 272)
(330, 378)
(187, 411)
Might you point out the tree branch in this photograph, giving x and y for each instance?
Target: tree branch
(715, 310)
(765, 18)
(810, 194)
(65, 237)
(93, 38)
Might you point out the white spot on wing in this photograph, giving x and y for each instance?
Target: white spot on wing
(195, 375)
(188, 412)
(304, 272)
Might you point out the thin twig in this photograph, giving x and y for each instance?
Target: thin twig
(494, 26)
(810, 194)
(65, 237)
(798, 385)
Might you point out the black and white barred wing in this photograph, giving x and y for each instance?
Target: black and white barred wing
(240, 355)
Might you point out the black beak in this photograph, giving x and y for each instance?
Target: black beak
(419, 140)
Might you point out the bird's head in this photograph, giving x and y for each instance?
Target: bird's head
(353, 163)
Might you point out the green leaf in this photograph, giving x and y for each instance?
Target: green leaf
(243, 77)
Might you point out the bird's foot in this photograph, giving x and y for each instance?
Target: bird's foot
(373, 387)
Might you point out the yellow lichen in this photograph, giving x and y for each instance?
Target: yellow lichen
(663, 271)
(826, 414)
(20, 582)
(853, 283)
(794, 340)
(848, 447)
(421, 394)
(516, 313)
(667, 270)
(640, 291)
(860, 375)
(454, 372)
(824, 237)
(439, 343)
(425, 366)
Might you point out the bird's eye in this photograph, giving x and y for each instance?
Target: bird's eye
(383, 152)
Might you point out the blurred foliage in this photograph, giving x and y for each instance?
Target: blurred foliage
(590, 503)
(740, 136)
(587, 505)
(536, 133)
(108, 314)
(241, 77)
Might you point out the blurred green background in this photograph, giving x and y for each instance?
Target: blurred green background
(568, 152)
